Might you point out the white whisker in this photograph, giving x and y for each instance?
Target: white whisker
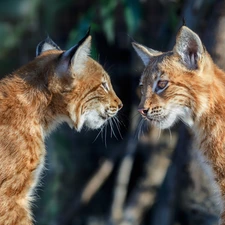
(111, 129)
(111, 122)
(106, 133)
(170, 134)
(100, 132)
(138, 128)
(159, 131)
(137, 114)
(120, 122)
(117, 126)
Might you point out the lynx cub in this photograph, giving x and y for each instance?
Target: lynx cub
(185, 84)
(57, 86)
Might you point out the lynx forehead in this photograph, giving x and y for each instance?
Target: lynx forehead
(57, 86)
(184, 84)
(154, 72)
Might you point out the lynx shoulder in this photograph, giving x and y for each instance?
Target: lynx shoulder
(185, 84)
(57, 86)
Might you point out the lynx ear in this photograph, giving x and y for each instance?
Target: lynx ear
(47, 44)
(145, 53)
(75, 57)
(189, 47)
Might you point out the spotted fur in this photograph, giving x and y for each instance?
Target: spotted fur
(194, 93)
(57, 86)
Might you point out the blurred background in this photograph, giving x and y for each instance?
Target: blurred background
(134, 174)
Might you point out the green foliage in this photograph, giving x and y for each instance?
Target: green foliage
(14, 9)
(106, 12)
(174, 19)
(51, 11)
(85, 21)
(132, 14)
(19, 17)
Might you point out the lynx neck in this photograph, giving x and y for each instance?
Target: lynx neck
(209, 129)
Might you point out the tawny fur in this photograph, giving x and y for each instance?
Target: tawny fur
(33, 100)
(195, 94)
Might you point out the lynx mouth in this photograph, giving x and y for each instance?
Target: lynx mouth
(107, 115)
(168, 119)
(158, 120)
(110, 115)
(163, 122)
(104, 117)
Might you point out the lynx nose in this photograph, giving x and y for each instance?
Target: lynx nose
(143, 111)
(120, 105)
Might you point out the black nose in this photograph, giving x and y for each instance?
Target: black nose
(120, 105)
(143, 111)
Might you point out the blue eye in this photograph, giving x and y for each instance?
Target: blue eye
(161, 85)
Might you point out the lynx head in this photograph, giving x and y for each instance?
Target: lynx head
(81, 90)
(172, 85)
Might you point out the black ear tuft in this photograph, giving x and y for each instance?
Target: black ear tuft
(184, 22)
(70, 53)
(47, 44)
(85, 37)
(76, 57)
(131, 38)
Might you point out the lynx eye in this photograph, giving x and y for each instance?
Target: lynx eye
(105, 86)
(161, 85)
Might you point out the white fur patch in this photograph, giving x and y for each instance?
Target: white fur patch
(213, 186)
(186, 116)
(143, 53)
(79, 59)
(46, 47)
(90, 119)
(155, 83)
(173, 114)
(93, 120)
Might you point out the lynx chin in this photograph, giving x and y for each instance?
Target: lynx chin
(184, 84)
(57, 86)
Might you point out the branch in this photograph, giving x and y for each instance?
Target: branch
(123, 179)
(97, 181)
